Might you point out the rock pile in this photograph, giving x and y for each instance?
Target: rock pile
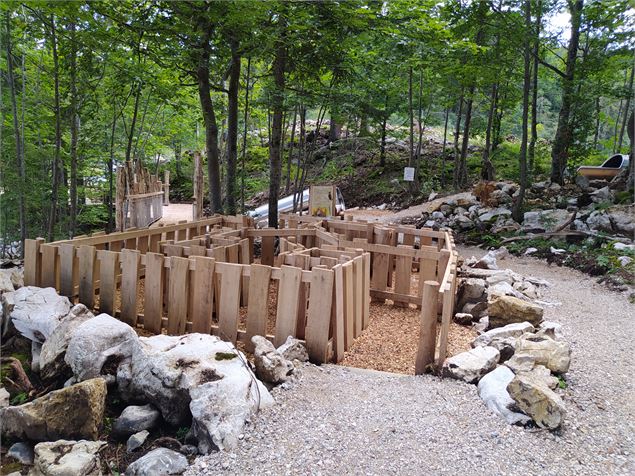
(518, 357)
(194, 379)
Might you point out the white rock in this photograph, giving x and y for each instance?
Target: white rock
(487, 262)
(504, 289)
(4, 398)
(537, 400)
(621, 246)
(556, 251)
(271, 366)
(470, 366)
(492, 388)
(555, 355)
(624, 260)
(6, 285)
(135, 418)
(294, 349)
(98, 340)
(137, 440)
(38, 311)
(159, 462)
(551, 329)
(64, 457)
(527, 288)
(510, 330)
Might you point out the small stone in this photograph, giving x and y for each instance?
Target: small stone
(158, 462)
(23, 452)
(510, 330)
(624, 260)
(271, 366)
(470, 366)
(135, 419)
(294, 349)
(463, 318)
(531, 251)
(137, 440)
(65, 457)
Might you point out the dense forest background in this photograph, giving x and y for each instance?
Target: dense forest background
(505, 89)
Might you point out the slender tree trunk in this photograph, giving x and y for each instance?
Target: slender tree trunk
(627, 109)
(111, 171)
(445, 139)
(279, 64)
(211, 127)
(517, 209)
(457, 152)
(58, 135)
(382, 149)
(411, 118)
(74, 131)
(232, 127)
(487, 168)
(19, 150)
(287, 187)
(462, 169)
(534, 91)
(562, 140)
(420, 128)
(244, 151)
(596, 133)
(335, 129)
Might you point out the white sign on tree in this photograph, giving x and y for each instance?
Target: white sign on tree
(409, 174)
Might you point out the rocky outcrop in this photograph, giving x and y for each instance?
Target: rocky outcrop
(270, 364)
(492, 389)
(537, 400)
(195, 376)
(37, 312)
(65, 458)
(159, 462)
(470, 366)
(503, 310)
(135, 418)
(52, 364)
(73, 412)
(555, 355)
(99, 346)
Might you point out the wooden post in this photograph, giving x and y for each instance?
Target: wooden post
(428, 327)
(166, 188)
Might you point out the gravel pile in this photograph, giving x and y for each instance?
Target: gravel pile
(337, 420)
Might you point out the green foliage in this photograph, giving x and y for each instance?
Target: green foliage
(20, 398)
(225, 356)
(181, 433)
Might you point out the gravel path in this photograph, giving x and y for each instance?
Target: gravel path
(337, 420)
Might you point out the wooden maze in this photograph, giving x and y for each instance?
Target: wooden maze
(311, 278)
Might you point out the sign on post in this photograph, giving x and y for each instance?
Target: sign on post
(409, 174)
(322, 200)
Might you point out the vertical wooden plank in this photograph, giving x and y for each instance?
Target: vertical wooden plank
(131, 244)
(142, 244)
(366, 291)
(359, 290)
(203, 294)
(32, 262)
(338, 313)
(178, 294)
(154, 242)
(232, 253)
(349, 305)
(403, 276)
(287, 310)
(153, 293)
(379, 276)
(182, 233)
(302, 262)
(67, 271)
(446, 318)
(258, 312)
(115, 245)
(267, 250)
(197, 250)
(427, 327)
(319, 315)
(129, 284)
(86, 255)
(245, 258)
(108, 270)
(49, 265)
(229, 300)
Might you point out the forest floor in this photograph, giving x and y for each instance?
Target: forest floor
(341, 420)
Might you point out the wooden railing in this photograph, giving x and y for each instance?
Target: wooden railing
(314, 280)
(144, 209)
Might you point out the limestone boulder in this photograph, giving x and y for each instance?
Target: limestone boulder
(38, 311)
(271, 366)
(492, 389)
(294, 349)
(5, 397)
(555, 355)
(52, 364)
(6, 285)
(470, 366)
(623, 221)
(510, 330)
(543, 220)
(135, 418)
(99, 345)
(195, 377)
(536, 399)
(503, 310)
(73, 412)
(67, 457)
(158, 462)
(471, 290)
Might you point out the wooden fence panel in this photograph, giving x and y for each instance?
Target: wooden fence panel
(258, 311)
(403, 277)
(366, 294)
(349, 304)
(86, 256)
(178, 286)
(203, 294)
(267, 251)
(229, 302)
(68, 271)
(108, 271)
(427, 327)
(358, 272)
(49, 266)
(338, 323)
(129, 285)
(287, 309)
(32, 262)
(319, 315)
(153, 292)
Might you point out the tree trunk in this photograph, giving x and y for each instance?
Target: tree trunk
(487, 168)
(74, 132)
(58, 136)
(461, 170)
(19, 150)
(411, 118)
(232, 128)
(211, 127)
(287, 187)
(420, 128)
(244, 151)
(335, 129)
(275, 170)
(596, 133)
(111, 171)
(445, 138)
(562, 140)
(627, 109)
(457, 132)
(534, 91)
(517, 209)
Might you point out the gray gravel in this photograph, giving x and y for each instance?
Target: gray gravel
(336, 420)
